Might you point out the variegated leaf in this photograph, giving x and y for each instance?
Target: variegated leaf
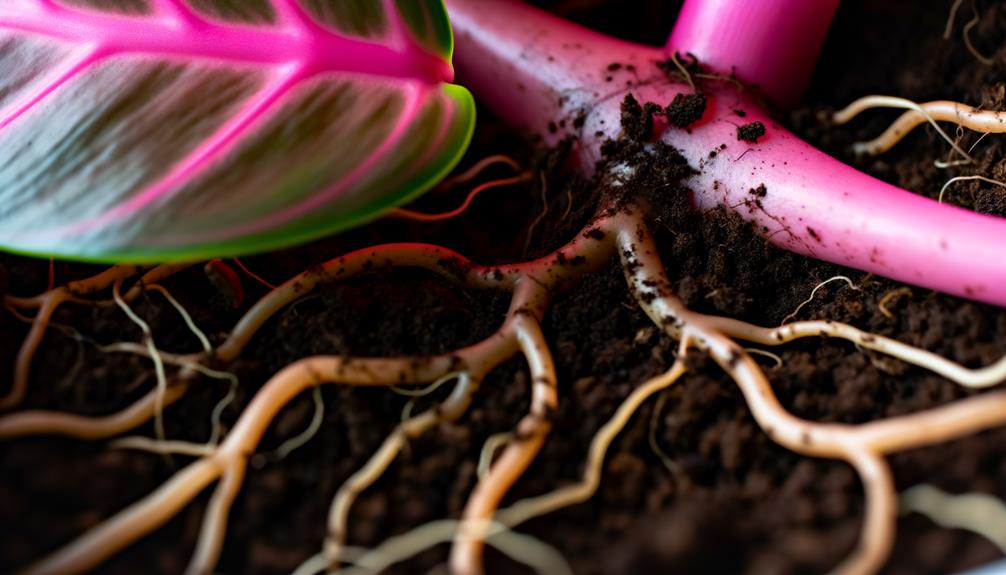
(152, 130)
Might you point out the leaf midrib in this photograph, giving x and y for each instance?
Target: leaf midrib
(314, 50)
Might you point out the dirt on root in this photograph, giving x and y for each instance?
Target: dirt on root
(731, 500)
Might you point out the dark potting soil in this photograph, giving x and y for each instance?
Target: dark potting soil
(734, 501)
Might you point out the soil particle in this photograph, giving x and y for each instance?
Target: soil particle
(686, 109)
(637, 120)
(751, 132)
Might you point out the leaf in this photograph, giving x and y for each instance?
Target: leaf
(155, 130)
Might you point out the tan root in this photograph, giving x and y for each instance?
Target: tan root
(620, 233)
(972, 118)
(74, 292)
(966, 32)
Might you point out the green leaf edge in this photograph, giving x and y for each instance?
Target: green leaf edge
(443, 32)
(268, 243)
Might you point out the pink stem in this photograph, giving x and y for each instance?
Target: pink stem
(537, 70)
(556, 79)
(771, 43)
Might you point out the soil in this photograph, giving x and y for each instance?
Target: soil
(686, 109)
(734, 502)
(751, 132)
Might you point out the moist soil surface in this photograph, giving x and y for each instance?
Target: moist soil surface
(730, 501)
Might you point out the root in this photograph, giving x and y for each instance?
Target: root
(529, 437)
(943, 190)
(951, 17)
(967, 39)
(155, 356)
(294, 443)
(526, 509)
(529, 551)
(520, 332)
(22, 366)
(216, 418)
(976, 512)
(163, 447)
(253, 275)
(683, 71)
(33, 423)
(654, 443)
(755, 351)
(863, 446)
(966, 32)
(439, 217)
(227, 464)
(434, 258)
(541, 215)
(158, 359)
(963, 376)
(889, 297)
(532, 284)
(419, 539)
(489, 450)
(423, 392)
(203, 340)
(478, 169)
(813, 293)
(338, 517)
(464, 178)
(74, 292)
(918, 114)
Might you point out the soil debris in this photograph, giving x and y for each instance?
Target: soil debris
(686, 109)
(751, 132)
